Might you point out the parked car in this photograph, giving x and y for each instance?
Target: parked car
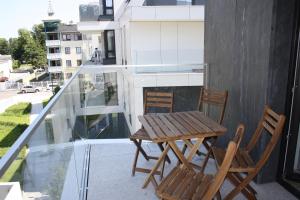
(3, 79)
(40, 70)
(29, 88)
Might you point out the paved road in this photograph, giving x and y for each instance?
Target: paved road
(9, 98)
(8, 94)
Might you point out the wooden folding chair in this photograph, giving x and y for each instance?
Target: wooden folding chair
(157, 100)
(182, 183)
(218, 99)
(215, 98)
(270, 123)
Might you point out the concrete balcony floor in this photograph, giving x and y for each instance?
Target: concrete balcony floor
(110, 175)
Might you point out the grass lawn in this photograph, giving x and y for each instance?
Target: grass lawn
(13, 122)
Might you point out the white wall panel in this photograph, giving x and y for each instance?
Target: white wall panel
(142, 13)
(145, 42)
(166, 42)
(172, 12)
(190, 42)
(169, 42)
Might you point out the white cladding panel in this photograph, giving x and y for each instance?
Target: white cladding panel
(190, 42)
(145, 42)
(167, 42)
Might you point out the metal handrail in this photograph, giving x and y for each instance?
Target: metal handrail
(143, 65)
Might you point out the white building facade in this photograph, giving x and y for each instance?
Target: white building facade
(168, 34)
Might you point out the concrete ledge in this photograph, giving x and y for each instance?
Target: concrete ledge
(10, 191)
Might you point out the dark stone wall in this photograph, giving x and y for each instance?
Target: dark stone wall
(247, 47)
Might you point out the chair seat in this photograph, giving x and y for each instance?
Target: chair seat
(242, 161)
(141, 134)
(184, 184)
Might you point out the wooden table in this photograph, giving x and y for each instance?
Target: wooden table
(169, 127)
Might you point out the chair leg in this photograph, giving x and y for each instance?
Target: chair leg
(135, 161)
(138, 144)
(248, 187)
(136, 157)
(206, 160)
(218, 195)
(163, 169)
(240, 186)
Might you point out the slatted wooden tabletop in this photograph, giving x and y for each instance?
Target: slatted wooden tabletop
(180, 125)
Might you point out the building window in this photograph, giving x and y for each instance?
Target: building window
(55, 63)
(67, 36)
(52, 36)
(69, 63)
(67, 50)
(78, 36)
(68, 75)
(53, 50)
(109, 40)
(71, 36)
(78, 50)
(109, 7)
(79, 62)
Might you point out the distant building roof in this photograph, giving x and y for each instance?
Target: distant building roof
(67, 28)
(5, 57)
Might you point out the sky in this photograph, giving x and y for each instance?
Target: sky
(16, 14)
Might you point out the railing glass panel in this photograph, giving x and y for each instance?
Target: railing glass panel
(50, 159)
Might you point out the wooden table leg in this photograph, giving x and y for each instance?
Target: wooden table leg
(179, 154)
(193, 151)
(160, 159)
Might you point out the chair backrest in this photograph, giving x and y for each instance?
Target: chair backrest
(158, 100)
(223, 169)
(214, 98)
(270, 123)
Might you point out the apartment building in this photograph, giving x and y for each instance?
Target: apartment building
(169, 34)
(64, 48)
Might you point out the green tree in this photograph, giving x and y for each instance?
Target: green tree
(4, 47)
(28, 50)
(38, 34)
(16, 50)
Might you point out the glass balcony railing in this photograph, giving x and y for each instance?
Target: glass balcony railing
(51, 159)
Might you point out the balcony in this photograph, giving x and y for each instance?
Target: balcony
(78, 147)
(50, 43)
(54, 56)
(53, 69)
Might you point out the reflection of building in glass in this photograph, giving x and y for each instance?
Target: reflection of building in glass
(101, 126)
(99, 89)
